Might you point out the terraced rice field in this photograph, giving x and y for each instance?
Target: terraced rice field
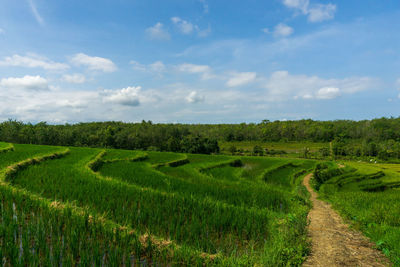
(93, 207)
(368, 196)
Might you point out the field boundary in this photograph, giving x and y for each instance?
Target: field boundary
(9, 148)
(98, 161)
(173, 163)
(13, 169)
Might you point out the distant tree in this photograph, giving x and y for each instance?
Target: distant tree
(324, 152)
(232, 149)
(257, 150)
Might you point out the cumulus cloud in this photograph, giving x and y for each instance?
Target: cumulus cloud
(282, 30)
(33, 61)
(74, 78)
(128, 96)
(320, 12)
(327, 93)
(184, 26)
(283, 86)
(94, 63)
(26, 82)
(241, 78)
(157, 66)
(314, 12)
(157, 32)
(301, 5)
(194, 97)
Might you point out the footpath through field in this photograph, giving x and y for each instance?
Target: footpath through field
(333, 243)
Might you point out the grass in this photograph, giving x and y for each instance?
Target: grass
(364, 194)
(166, 208)
(3, 145)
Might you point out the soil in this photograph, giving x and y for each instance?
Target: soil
(333, 242)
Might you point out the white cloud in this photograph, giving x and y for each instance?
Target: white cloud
(94, 63)
(194, 97)
(157, 66)
(320, 12)
(205, 70)
(35, 12)
(327, 93)
(282, 86)
(26, 82)
(2, 31)
(315, 12)
(265, 30)
(184, 26)
(157, 32)
(283, 30)
(302, 5)
(128, 96)
(33, 61)
(241, 78)
(74, 78)
(193, 68)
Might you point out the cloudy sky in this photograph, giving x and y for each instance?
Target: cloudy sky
(198, 61)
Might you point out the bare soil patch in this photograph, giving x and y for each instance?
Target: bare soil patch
(333, 242)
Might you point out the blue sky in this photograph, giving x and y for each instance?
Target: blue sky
(199, 61)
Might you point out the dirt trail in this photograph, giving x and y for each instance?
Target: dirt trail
(333, 243)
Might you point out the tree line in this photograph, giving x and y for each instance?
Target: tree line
(366, 137)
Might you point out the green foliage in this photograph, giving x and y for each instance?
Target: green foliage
(349, 138)
(258, 150)
(115, 207)
(323, 172)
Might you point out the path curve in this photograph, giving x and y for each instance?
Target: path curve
(333, 243)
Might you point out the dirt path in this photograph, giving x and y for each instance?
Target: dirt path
(333, 243)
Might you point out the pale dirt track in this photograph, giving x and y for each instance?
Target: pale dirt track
(333, 243)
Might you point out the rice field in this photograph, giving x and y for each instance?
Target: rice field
(368, 196)
(94, 207)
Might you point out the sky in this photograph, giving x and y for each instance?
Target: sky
(198, 61)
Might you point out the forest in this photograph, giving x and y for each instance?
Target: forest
(376, 138)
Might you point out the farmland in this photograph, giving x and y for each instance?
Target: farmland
(104, 206)
(93, 206)
(368, 196)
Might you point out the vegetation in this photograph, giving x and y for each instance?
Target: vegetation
(368, 195)
(85, 206)
(378, 138)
